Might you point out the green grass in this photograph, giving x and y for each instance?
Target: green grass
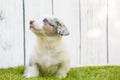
(83, 73)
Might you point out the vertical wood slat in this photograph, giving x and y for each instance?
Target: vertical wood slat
(93, 35)
(68, 12)
(11, 33)
(114, 31)
(34, 9)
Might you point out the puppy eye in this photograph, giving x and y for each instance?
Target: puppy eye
(51, 24)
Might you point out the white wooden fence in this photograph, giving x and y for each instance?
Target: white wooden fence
(94, 27)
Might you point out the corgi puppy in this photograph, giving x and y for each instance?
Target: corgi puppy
(50, 55)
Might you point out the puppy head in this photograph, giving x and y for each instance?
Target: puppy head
(57, 25)
(50, 27)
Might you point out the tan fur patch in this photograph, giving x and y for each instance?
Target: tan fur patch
(49, 30)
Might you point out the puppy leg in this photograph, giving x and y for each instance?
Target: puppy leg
(63, 70)
(31, 71)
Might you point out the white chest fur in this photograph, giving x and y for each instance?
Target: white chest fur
(50, 54)
(47, 60)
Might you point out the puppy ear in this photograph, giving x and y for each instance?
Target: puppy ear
(61, 29)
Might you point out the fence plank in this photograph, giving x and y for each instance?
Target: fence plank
(114, 32)
(11, 33)
(68, 12)
(34, 9)
(93, 35)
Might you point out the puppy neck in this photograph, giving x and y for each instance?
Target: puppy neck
(49, 39)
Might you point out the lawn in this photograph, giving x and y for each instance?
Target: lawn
(82, 73)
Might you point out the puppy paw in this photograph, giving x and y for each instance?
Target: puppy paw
(28, 75)
(31, 71)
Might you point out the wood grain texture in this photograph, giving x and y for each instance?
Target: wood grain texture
(114, 31)
(11, 33)
(68, 12)
(93, 32)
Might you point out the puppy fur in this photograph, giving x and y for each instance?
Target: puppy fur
(50, 54)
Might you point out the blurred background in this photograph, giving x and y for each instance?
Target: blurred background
(94, 27)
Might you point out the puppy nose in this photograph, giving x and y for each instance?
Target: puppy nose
(32, 21)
